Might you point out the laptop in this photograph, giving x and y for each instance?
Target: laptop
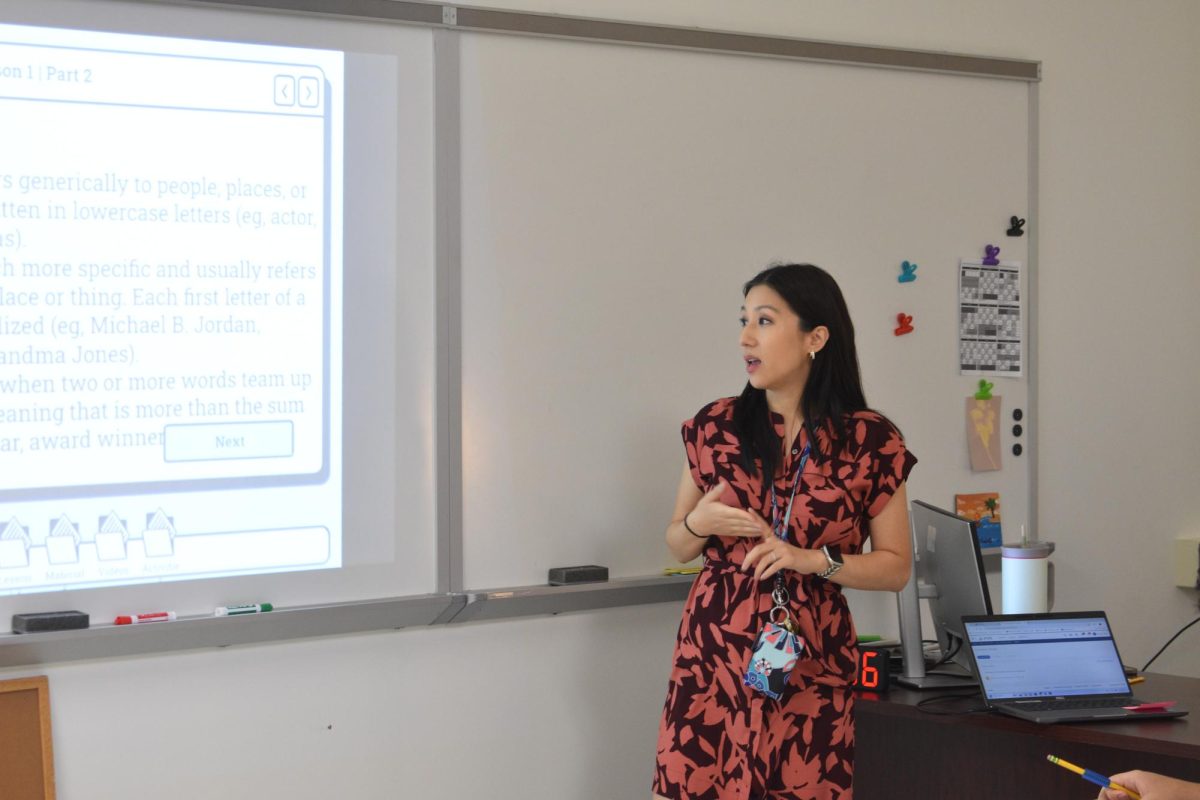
(1053, 668)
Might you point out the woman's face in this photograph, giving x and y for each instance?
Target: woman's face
(774, 347)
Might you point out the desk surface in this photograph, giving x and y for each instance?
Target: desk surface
(939, 755)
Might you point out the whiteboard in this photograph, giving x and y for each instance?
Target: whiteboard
(603, 205)
(615, 199)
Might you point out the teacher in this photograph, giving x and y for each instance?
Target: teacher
(783, 487)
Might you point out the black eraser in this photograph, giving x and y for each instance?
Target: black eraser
(49, 621)
(561, 576)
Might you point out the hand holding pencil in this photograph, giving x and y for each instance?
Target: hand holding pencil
(1149, 786)
(1107, 784)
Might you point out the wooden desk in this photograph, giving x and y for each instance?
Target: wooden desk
(903, 752)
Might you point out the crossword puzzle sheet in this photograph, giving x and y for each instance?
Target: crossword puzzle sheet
(989, 318)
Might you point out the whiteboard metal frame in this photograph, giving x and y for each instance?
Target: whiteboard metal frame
(448, 260)
(451, 604)
(200, 633)
(634, 33)
(197, 633)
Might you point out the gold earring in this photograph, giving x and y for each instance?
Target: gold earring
(812, 355)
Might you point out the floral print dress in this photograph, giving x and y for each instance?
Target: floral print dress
(719, 739)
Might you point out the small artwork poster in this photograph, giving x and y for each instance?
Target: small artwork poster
(983, 433)
(984, 509)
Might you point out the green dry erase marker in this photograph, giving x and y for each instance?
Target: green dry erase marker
(249, 608)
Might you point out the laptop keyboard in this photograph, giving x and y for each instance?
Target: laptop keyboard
(1071, 705)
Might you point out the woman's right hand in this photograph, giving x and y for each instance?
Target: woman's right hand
(711, 517)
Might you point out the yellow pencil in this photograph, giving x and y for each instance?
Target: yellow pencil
(1094, 777)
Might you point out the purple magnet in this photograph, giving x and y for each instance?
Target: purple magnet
(989, 255)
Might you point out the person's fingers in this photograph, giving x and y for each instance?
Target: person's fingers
(748, 527)
(736, 522)
(771, 565)
(757, 552)
(766, 561)
(713, 495)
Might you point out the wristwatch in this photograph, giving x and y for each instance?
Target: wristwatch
(833, 555)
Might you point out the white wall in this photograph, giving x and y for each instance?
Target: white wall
(567, 706)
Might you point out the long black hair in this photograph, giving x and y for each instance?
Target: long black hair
(834, 387)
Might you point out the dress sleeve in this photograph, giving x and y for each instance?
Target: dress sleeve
(692, 445)
(885, 459)
(696, 433)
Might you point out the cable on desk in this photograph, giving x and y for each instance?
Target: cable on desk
(940, 698)
(955, 646)
(1168, 644)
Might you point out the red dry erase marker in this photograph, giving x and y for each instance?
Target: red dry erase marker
(137, 619)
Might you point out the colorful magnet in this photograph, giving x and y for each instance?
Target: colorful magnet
(990, 254)
(985, 390)
(908, 272)
(1016, 226)
(904, 324)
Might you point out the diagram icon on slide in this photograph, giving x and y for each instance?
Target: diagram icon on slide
(159, 536)
(62, 545)
(111, 537)
(14, 545)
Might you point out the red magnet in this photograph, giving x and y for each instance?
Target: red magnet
(905, 325)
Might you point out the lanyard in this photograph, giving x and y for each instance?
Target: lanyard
(779, 595)
(778, 524)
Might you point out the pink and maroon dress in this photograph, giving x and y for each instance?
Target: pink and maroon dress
(719, 739)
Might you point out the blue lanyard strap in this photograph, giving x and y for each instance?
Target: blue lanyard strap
(780, 524)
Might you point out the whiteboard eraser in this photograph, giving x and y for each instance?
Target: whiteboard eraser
(49, 621)
(561, 576)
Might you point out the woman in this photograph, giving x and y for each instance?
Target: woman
(837, 473)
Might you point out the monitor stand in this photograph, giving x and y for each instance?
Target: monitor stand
(914, 676)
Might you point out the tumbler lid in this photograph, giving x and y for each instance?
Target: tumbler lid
(1030, 550)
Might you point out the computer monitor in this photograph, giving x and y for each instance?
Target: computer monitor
(948, 573)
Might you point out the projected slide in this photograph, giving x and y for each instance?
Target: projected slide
(170, 308)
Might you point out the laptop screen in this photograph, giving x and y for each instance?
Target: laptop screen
(1046, 656)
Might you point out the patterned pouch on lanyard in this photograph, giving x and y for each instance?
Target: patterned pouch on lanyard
(775, 653)
(777, 649)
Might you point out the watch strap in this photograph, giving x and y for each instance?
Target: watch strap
(834, 561)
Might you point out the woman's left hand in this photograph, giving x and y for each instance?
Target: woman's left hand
(774, 554)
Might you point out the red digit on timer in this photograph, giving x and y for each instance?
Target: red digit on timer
(868, 675)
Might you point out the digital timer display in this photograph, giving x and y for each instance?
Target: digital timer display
(873, 675)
